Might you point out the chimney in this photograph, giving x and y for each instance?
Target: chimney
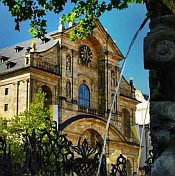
(61, 26)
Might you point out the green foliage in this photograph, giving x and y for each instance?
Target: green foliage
(84, 11)
(36, 117)
(35, 11)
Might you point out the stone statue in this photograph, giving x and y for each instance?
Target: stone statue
(159, 58)
(68, 63)
(157, 8)
(33, 46)
(112, 79)
(68, 89)
(163, 138)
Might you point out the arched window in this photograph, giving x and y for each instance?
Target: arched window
(48, 92)
(83, 96)
(126, 123)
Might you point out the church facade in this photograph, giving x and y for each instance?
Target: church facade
(80, 77)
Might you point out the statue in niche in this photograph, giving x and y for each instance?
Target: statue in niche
(68, 89)
(68, 63)
(163, 138)
(112, 79)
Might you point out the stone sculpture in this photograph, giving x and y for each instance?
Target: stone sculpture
(159, 58)
(163, 138)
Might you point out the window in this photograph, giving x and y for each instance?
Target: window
(127, 127)
(6, 107)
(10, 64)
(48, 93)
(6, 91)
(126, 123)
(83, 95)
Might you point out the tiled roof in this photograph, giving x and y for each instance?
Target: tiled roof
(9, 54)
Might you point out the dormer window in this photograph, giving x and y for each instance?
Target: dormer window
(18, 49)
(44, 40)
(3, 59)
(10, 64)
(28, 49)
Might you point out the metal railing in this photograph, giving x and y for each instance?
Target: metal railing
(53, 154)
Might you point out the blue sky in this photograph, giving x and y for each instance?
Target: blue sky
(120, 25)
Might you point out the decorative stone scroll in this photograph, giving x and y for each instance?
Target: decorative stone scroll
(159, 45)
(159, 58)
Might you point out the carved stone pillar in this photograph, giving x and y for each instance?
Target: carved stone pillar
(159, 58)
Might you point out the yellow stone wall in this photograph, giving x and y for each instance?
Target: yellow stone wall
(48, 68)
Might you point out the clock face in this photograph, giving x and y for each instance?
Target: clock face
(85, 53)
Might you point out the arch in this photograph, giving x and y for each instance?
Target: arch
(92, 136)
(83, 95)
(96, 119)
(48, 92)
(97, 48)
(84, 79)
(126, 124)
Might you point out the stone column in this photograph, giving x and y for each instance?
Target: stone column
(159, 58)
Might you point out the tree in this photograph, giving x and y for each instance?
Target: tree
(36, 117)
(84, 11)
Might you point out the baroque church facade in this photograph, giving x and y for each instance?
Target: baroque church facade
(80, 77)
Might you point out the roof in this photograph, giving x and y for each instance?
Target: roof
(15, 54)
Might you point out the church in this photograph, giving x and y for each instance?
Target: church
(79, 78)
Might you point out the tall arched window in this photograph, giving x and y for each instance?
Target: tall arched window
(83, 95)
(48, 92)
(126, 123)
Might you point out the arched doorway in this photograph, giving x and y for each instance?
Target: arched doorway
(48, 92)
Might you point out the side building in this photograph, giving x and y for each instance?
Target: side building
(80, 77)
(143, 122)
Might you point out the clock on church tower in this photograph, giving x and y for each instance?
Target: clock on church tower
(85, 53)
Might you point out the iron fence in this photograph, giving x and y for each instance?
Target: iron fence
(53, 154)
